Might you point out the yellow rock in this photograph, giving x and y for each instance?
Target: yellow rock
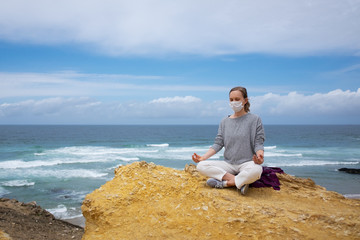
(147, 201)
(4, 236)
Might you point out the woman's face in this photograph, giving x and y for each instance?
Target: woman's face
(237, 96)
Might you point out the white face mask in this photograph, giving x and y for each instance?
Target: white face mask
(236, 106)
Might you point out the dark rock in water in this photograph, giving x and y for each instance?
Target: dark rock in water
(350, 170)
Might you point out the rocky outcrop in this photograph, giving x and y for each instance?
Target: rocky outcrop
(147, 201)
(350, 170)
(22, 221)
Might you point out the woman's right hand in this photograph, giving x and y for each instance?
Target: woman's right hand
(196, 158)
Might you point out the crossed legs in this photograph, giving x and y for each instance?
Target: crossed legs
(234, 175)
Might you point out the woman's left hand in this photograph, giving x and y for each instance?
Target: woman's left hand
(258, 158)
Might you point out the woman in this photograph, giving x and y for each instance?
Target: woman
(242, 135)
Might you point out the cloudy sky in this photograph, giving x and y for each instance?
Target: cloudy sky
(173, 62)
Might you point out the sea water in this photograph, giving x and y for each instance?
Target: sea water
(56, 166)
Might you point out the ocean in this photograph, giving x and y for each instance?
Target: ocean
(56, 166)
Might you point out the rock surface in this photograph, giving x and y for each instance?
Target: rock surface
(22, 221)
(147, 201)
(350, 170)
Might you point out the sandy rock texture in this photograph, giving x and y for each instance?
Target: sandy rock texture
(147, 201)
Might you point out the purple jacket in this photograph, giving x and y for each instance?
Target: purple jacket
(268, 178)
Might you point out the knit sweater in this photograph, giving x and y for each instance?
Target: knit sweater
(241, 137)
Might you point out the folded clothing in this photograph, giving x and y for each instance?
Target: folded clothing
(268, 178)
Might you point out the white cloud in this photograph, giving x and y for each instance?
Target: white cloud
(334, 103)
(337, 107)
(60, 84)
(177, 99)
(54, 107)
(197, 27)
(349, 69)
(65, 84)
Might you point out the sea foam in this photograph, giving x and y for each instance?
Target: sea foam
(59, 212)
(158, 145)
(17, 183)
(79, 155)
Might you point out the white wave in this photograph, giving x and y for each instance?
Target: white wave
(59, 212)
(270, 147)
(273, 151)
(93, 154)
(128, 159)
(17, 183)
(39, 154)
(22, 164)
(313, 163)
(158, 145)
(86, 154)
(73, 195)
(111, 169)
(97, 151)
(280, 154)
(59, 173)
(75, 173)
(174, 156)
(188, 149)
(38, 163)
(62, 212)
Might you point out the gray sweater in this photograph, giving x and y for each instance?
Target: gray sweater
(241, 137)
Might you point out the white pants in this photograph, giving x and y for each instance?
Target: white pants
(245, 173)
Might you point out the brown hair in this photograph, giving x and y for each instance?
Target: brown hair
(244, 93)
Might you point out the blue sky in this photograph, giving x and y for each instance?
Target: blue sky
(173, 62)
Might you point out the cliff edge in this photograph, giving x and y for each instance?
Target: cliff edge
(22, 221)
(147, 201)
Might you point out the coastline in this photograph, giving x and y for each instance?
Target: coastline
(20, 220)
(93, 158)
